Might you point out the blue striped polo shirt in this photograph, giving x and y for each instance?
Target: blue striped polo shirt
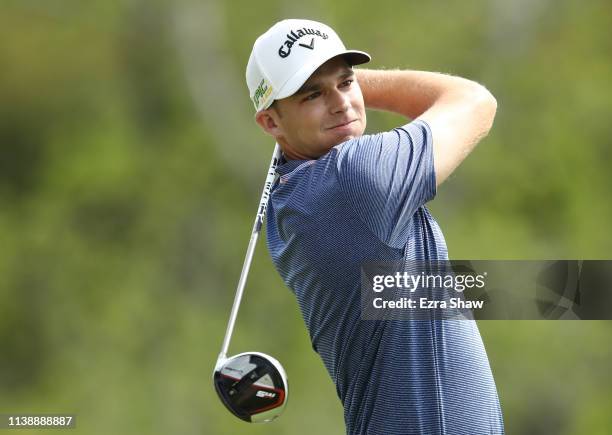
(365, 201)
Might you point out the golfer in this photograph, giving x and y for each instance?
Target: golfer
(343, 198)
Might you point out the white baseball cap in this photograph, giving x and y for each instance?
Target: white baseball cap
(286, 55)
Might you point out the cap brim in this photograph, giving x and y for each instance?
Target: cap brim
(353, 57)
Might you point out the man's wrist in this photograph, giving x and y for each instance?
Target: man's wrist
(380, 89)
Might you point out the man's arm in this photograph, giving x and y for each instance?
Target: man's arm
(459, 112)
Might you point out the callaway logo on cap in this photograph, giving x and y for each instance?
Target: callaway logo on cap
(286, 55)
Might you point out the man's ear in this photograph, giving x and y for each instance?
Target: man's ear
(268, 120)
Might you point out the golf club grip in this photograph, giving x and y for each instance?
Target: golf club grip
(261, 212)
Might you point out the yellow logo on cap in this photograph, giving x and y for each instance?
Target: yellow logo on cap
(262, 93)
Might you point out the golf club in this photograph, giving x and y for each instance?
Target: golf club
(252, 385)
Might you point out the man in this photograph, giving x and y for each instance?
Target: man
(344, 198)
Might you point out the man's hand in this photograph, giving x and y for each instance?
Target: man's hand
(460, 112)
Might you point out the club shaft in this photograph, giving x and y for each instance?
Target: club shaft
(261, 212)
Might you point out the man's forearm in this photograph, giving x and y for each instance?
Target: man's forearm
(411, 93)
(459, 112)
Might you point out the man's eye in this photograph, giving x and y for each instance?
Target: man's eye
(313, 96)
(347, 82)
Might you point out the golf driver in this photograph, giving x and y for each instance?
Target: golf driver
(252, 385)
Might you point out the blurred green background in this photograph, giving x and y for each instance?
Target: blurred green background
(131, 167)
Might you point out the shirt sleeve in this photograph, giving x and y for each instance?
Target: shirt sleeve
(387, 177)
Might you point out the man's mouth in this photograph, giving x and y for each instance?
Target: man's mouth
(343, 124)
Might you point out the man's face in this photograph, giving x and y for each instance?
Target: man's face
(327, 110)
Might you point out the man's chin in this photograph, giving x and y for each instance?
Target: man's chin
(340, 138)
(343, 138)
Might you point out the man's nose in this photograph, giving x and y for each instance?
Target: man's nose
(339, 101)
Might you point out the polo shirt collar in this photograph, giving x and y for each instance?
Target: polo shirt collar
(286, 166)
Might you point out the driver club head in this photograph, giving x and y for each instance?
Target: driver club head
(252, 385)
